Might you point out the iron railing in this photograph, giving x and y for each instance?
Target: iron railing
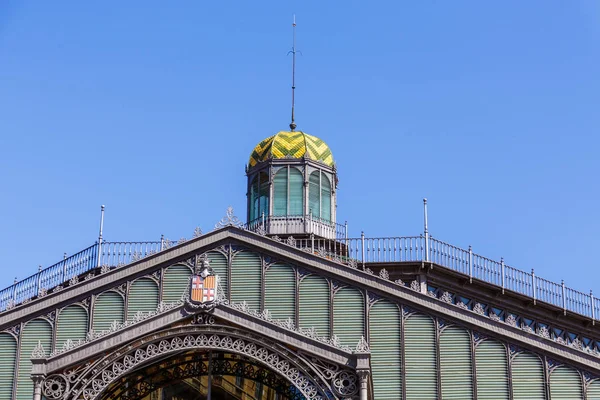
(357, 251)
(108, 254)
(363, 251)
(298, 225)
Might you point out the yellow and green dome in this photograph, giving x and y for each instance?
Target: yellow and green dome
(291, 145)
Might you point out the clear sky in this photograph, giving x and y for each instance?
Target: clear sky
(488, 109)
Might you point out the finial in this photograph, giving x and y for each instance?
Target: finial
(293, 124)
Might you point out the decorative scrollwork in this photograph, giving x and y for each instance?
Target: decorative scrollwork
(197, 232)
(362, 346)
(415, 285)
(117, 326)
(345, 383)
(55, 387)
(288, 324)
(291, 241)
(229, 220)
(447, 298)
(104, 372)
(38, 351)
(383, 273)
(511, 320)
(478, 309)
(544, 332)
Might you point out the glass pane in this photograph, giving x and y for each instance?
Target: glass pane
(280, 192)
(263, 195)
(325, 198)
(314, 198)
(296, 195)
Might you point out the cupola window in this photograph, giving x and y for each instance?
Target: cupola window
(287, 192)
(259, 196)
(319, 196)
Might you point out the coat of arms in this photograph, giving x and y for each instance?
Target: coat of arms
(204, 283)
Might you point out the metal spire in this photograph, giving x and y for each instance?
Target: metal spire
(293, 124)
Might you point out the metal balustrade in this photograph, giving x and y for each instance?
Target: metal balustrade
(358, 251)
(121, 253)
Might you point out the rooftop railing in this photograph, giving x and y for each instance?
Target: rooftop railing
(356, 251)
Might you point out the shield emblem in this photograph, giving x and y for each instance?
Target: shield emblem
(204, 290)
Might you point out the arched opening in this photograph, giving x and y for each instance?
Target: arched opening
(193, 374)
(194, 356)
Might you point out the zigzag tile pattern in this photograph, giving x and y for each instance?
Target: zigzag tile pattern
(291, 145)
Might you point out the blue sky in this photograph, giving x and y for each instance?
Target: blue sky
(488, 109)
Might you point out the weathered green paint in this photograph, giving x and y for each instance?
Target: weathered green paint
(35, 331)
(528, 377)
(108, 307)
(349, 315)
(280, 289)
(8, 355)
(176, 280)
(420, 355)
(314, 304)
(246, 273)
(492, 370)
(456, 369)
(71, 324)
(565, 384)
(386, 351)
(143, 296)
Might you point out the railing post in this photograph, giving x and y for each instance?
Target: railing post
(470, 264)
(162, 242)
(39, 280)
(100, 235)
(503, 273)
(312, 242)
(533, 286)
(64, 267)
(426, 230)
(362, 242)
(564, 299)
(14, 296)
(347, 242)
(263, 220)
(592, 305)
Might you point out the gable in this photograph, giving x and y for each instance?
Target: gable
(329, 301)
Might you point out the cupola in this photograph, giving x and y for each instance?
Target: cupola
(291, 186)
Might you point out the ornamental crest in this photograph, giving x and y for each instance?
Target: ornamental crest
(203, 284)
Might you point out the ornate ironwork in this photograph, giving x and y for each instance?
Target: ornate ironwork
(38, 351)
(362, 346)
(140, 384)
(92, 381)
(229, 220)
(55, 387)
